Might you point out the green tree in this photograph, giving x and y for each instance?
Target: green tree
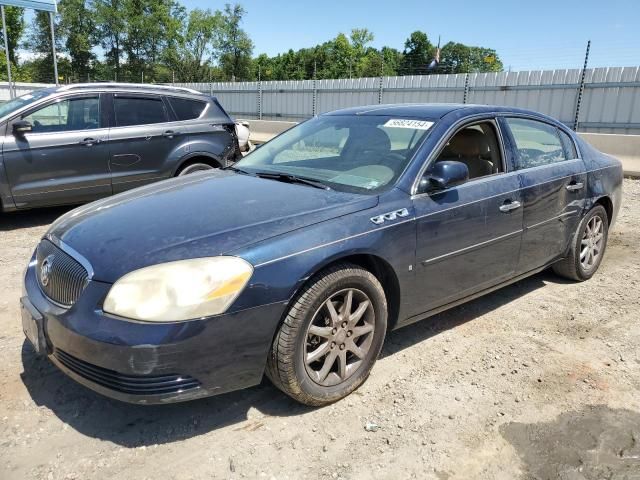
(77, 25)
(460, 58)
(39, 42)
(418, 53)
(190, 52)
(234, 47)
(111, 31)
(14, 18)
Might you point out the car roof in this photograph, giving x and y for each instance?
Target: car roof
(431, 110)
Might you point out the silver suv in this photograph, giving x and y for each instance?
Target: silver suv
(78, 143)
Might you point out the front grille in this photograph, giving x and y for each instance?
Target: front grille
(60, 276)
(131, 384)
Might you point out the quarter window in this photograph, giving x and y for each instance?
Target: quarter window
(186, 109)
(537, 143)
(66, 115)
(138, 111)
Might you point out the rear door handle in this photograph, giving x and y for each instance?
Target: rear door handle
(170, 133)
(573, 186)
(508, 205)
(88, 142)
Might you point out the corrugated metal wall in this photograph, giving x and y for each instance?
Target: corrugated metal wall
(610, 101)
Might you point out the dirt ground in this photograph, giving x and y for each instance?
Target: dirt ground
(539, 380)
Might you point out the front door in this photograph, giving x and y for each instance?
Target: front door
(64, 159)
(553, 184)
(141, 140)
(468, 236)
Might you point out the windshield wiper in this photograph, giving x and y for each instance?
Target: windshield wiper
(287, 177)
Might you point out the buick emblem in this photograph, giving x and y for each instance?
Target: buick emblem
(45, 270)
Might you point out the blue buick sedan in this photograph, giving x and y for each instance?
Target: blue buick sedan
(299, 259)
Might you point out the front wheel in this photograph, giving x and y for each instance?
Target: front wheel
(587, 250)
(331, 337)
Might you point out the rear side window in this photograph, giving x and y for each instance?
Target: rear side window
(537, 143)
(186, 109)
(569, 146)
(138, 110)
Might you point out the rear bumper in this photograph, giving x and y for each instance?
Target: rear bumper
(149, 363)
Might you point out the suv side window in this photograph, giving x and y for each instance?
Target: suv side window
(537, 143)
(186, 109)
(66, 115)
(131, 110)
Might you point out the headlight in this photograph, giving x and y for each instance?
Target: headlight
(181, 290)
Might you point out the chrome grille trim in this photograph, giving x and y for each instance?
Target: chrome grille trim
(66, 278)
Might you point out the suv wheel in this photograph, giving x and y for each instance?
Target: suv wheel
(331, 337)
(194, 167)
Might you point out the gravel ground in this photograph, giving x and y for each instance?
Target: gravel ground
(538, 380)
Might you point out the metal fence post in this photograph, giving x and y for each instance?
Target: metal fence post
(259, 99)
(380, 90)
(314, 100)
(581, 87)
(466, 88)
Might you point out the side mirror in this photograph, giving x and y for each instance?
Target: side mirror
(443, 175)
(21, 127)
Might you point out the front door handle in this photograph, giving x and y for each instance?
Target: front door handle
(574, 186)
(89, 142)
(170, 133)
(509, 205)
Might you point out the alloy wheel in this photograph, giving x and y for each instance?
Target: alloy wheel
(591, 244)
(339, 337)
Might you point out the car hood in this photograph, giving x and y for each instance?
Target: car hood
(197, 215)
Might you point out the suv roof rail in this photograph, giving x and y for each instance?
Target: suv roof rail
(75, 86)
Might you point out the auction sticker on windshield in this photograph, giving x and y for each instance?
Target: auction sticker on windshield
(406, 123)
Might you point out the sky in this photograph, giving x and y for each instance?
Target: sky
(535, 34)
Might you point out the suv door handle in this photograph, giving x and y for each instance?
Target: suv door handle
(573, 186)
(508, 205)
(89, 142)
(170, 133)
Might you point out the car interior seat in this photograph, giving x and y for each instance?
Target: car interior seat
(470, 147)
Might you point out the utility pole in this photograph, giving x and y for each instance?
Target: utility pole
(53, 48)
(6, 51)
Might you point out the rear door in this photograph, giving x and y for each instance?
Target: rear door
(64, 159)
(553, 181)
(141, 140)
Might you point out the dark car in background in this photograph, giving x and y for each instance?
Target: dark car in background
(297, 260)
(78, 143)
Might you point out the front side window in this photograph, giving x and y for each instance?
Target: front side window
(477, 147)
(357, 153)
(66, 115)
(537, 143)
(138, 110)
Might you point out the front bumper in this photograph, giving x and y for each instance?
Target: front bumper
(150, 363)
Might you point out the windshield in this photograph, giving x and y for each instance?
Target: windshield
(357, 153)
(17, 103)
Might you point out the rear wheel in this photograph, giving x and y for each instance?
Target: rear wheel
(331, 337)
(588, 247)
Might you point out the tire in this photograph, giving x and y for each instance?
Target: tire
(311, 328)
(194, 167)
(590, 237)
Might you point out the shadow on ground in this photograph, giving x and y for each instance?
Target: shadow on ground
(592, 444)
(30, 218)
(134, 425)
